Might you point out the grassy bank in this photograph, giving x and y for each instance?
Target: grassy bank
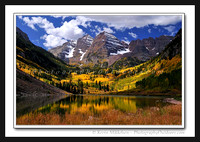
(167, 115)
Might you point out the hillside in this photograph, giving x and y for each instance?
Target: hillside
(161, 74)
(39, 63)
(127, 75)
(126, 62)
(36, 56)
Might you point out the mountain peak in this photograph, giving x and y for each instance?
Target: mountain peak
(108, 35)
(149, 47)
(87, 36)
(86, 39)
(72, 42)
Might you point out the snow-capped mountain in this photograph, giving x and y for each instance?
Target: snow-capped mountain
(114, 45)
(103, 46)
(85, 41)
(106, 48)
(81, 48)
(73, 51)
(65, 51)
(87, 49)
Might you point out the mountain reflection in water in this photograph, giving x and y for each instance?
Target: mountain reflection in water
(95, 104)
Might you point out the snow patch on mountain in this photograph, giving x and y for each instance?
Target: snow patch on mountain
(121, 52)
(88, 39)
(112, 40)
(108, 35)
(82, 54)
(70, 53)
(80, 51)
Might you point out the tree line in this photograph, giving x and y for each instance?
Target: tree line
(170, 80)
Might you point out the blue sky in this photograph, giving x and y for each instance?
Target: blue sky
(54, 30)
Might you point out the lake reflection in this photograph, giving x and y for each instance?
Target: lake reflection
(95, 104)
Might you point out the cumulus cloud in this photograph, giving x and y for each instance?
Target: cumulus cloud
(98, 30)
(53, 41)
(71, 30)
(170, 28)
(59, 16)
(83, 21)
(130, 21)
(55, 36)
(29, 23)
(109, 30)
(92, 30)
(132, 34)
(41, 22)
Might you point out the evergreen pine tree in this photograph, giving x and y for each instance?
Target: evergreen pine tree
(99, 85)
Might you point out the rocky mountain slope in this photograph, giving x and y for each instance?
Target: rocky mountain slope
(149, 47)
(65, 51)
(168, 68)
(72, 51)
(81, 48)
(105, 48)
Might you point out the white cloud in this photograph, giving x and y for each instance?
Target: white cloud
(149, 30)
(56, 36)
(39, 21)
(92, 30)
(97, 29)
(170, 28)
(132, 34)
(83, 21)
(19, 16)
(69, 30)
(109, 30)
(43, 37)
(53, 41)
(29, 23)
(129, 21)
(102, 29)
(60, 16)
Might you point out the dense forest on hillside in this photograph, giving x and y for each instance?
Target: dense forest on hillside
(162, 72)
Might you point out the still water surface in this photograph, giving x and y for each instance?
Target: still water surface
(87, 104)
